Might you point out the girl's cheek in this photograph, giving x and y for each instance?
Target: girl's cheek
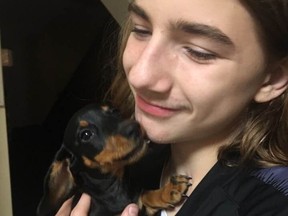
(129, 57)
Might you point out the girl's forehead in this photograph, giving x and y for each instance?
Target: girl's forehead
(207, 11)
(226, 20)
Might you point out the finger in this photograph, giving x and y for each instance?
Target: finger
(65, 208)
(82, 207)
(130, 210)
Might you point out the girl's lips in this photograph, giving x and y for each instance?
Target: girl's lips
(154, 110)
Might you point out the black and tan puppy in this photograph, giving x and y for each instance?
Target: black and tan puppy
(98, 145)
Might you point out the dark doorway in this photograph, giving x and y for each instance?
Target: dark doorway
(63, 58)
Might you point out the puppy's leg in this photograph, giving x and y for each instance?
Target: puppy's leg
(166, 197)
(58, 185)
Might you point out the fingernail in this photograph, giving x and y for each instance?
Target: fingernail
(133, 211)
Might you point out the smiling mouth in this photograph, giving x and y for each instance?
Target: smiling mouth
(153, 109)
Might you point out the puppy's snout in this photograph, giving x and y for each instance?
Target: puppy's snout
(131, 129)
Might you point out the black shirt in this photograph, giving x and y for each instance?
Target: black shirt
(224, 191)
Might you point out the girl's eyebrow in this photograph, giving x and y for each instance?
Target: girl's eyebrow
(200, 29)
(207, 31)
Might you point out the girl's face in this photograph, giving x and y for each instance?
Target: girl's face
(193, 67)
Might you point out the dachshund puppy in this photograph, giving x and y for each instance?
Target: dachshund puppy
(98, 145)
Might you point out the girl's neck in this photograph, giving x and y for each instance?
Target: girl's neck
(187, 159)
(196, 158)
(192, 161)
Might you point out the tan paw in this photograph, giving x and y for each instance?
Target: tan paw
(174, 192)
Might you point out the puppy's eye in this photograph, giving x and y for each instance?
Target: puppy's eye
(86, 135)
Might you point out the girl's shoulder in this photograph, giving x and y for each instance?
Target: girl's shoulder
(276, 177)
(238, 191)
(264, 191)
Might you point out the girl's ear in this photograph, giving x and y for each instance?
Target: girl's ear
(275, 83)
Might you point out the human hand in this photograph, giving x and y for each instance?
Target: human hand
(81, 209)
(130, 210)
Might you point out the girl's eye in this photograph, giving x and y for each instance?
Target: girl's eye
(140, 33)
(201, 57)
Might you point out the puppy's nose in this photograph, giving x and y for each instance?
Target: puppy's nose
(130, 129)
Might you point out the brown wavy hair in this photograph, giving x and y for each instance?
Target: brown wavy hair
(262, 140)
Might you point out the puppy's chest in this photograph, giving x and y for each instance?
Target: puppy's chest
(110, 195)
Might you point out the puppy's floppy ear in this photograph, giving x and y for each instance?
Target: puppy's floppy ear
(275, 84)
(59, 185)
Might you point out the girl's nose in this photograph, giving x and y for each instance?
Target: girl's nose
(152, 69)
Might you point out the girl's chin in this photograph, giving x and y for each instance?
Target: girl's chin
(157, 130)
(160, 137)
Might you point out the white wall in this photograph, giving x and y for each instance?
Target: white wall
(118, 9)
(5, 186)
